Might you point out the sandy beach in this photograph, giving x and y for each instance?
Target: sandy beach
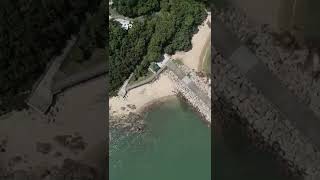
(199, 41)
(163, 87)
(141, 97)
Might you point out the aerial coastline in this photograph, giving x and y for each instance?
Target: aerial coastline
(164, 87)
(158, 90)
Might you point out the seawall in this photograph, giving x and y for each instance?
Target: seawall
(235, 96)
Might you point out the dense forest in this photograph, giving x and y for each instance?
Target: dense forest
(93, 34)
(171, 29)
(134, 8)
(31, 33)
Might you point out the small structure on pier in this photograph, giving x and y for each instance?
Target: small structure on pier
(166, 58)
(154, 68)
(125, 24)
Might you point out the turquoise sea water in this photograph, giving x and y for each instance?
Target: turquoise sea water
(176, 145)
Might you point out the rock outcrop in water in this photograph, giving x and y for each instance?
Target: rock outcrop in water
(131, 123)
(200, 106)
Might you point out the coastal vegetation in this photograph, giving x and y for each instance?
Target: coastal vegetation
(32, 33)
(163, 30)
(134, 8)
(91, 44)
(140, 79)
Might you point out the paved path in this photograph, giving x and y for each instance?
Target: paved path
(146, 81)
(189, 83)
(41, 96)
(301, 116)
(98, 70)
(123, 89)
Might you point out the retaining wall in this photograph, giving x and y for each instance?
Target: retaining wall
(234, 93)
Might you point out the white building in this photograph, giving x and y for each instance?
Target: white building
(126, 24)
(164, 61)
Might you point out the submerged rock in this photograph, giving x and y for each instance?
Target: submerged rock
(43, 148)
(133, 122)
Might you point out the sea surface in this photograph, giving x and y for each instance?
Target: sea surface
(177, 146)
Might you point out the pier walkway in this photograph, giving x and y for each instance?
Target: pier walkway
(189, 83)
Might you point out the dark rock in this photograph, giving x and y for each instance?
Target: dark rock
(44, 148)
(131, 106)
(77, 143)
(62, 139)
(74, 143)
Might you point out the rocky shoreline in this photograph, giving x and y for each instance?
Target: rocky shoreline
(134, 122)
(226, 120)
(263, 120)
(191, 98)
(195, 110)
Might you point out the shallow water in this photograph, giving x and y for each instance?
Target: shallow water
(175, 146)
